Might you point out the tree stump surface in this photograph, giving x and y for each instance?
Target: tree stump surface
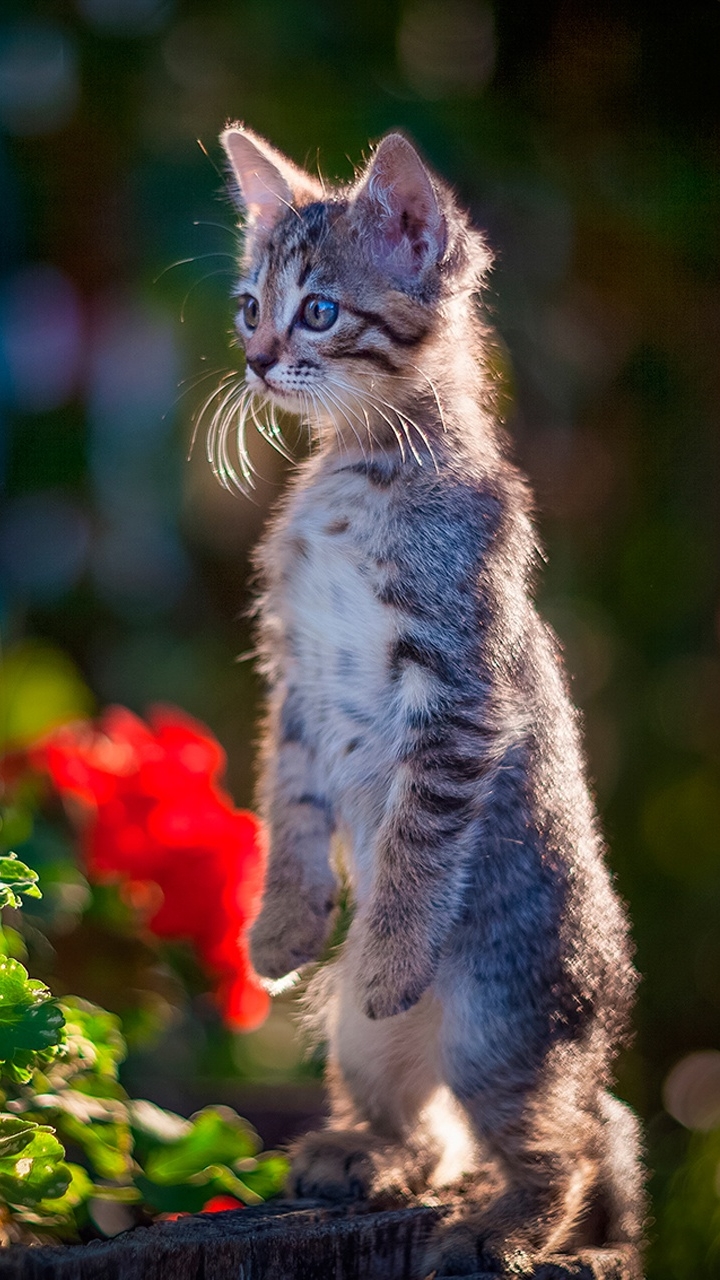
(285, 1241)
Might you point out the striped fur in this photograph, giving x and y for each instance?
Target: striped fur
(418, 717)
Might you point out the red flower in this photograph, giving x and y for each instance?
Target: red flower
(218, 1204)
(156, 813)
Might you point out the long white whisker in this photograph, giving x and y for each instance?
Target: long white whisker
(235, 401)
(198, 257)
(321, 394)
(211, 373)
(205, 407)
(246, 464)
(213, 441)
(359, 412)
(343, 410)
(406, 422)
(203, 222)
(434, 390)
(270, 431)
(372, 401)
(375, 404)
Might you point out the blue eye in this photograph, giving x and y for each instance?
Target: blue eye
(319, 313)
(249, 310)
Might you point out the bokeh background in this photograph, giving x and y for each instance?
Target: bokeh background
(584, 138)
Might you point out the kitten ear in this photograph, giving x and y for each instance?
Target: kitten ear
(268, 182)
(399, 206)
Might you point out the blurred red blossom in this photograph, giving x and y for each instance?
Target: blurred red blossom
(154, 817)
(219, 1204)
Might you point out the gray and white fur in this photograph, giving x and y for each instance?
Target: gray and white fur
(419, 722)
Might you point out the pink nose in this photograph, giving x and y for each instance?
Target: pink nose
(260, 364)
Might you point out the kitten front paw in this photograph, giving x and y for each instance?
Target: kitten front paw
(332, 1165)
(288, 934)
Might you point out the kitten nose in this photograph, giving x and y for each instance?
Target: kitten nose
(260, 364)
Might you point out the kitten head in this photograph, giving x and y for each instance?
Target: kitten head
(343, 292)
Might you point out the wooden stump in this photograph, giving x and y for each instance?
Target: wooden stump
(283, 1241)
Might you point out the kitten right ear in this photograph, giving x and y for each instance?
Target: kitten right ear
(397, 201)
(268, 182)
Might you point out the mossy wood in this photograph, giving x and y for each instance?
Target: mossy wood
(283, 1242)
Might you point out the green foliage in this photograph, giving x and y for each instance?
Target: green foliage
(687, 1242)
(32, 1165)
(31, 1022)
(16, 878)
(59, 1064)
(217, 1150)
(215, 1154)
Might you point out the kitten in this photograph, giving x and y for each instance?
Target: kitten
(418, 712)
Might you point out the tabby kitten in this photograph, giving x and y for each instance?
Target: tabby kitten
(418, 713)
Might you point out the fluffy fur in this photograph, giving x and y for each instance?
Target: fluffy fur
(418, 718)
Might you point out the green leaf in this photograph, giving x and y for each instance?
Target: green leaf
(94, 1037)
(227, 1182)
(16, 878)
(30, 1020)
(218, 1137)
(107, 1145)
(12, 943)
(79, 1189)
(119, 1195)
(37, 1172)
(15, 1133)
(182, 1198)
(27, 1062)
(269, 1176)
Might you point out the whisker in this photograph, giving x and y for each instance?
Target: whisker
(198, 257)
(192, 381)
(345, 386)
(434, 390)
(271, 432)
(203, 222)
(343, 409)
(217, 447)
(396, 433)
(205, 407)
(209, 158)
(406, 423)
(246, 464)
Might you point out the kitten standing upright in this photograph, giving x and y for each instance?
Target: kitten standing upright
(418, 712)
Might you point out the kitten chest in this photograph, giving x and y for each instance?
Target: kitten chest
(335, 637)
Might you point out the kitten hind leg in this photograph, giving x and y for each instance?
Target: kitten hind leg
(534, 1112)
(566, 1175)
(527, 1198)
(617, 1207)
(380, 1076)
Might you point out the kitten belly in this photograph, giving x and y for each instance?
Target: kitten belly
(339, 638)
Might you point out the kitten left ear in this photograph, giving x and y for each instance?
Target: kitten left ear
(268, 182)
(399, 206)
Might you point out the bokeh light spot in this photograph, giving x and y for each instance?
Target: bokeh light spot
(39, 83)
(41, 338)
(447, 46)
(691, 1092)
